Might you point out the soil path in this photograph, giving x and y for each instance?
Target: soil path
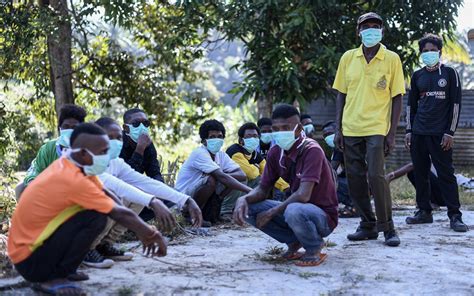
(432, 259)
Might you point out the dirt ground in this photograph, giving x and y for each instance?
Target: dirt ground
(432, 259)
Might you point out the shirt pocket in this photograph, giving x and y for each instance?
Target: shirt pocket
(380, 82)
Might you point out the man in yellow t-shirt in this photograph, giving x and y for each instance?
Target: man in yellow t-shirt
(63, 210)
(370, 83)
(252, 163)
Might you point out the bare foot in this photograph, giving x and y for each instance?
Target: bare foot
(292, 251)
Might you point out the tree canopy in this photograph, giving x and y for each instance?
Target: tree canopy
(294, 46)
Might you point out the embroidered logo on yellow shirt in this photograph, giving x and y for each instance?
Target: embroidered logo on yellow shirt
(382, 84)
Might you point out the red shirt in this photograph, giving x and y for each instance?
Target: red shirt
(311, 166)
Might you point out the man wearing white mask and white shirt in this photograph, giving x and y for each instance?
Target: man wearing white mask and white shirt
(136, 192)
(209, 174)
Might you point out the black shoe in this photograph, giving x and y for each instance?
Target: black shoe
(109, 251)
(420, 217)
(457, 224)
(391, 238)
(96, 260)
(363, 234)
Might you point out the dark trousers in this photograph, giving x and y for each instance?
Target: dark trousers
(424, 151)
(62, 253)
(436, 197)
(343, 192)
(364, 159)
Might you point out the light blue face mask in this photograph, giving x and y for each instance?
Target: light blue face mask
(99, 163)
(266, 138)
(64, 137)
(330, 140)
(308, 129)
(214, 145)
(371, 37)
(430, 58)
(115, 148)
(251, 144)
(286, 139)
(136, 132)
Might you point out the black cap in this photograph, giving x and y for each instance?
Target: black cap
(369, 16)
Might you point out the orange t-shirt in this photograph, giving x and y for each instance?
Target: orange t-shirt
(57, 194)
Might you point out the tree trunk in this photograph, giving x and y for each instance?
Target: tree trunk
(265, 105)
(60, 55)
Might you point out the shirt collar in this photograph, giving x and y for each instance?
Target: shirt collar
(380, 54)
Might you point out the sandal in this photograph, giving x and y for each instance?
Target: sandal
(77, 277)
(348, 212)
(56, 289)
(314, 261)
(293, 256)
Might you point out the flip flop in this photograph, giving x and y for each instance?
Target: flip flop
(293, 256)
(77, 276)
(312, 261)
(53, 290)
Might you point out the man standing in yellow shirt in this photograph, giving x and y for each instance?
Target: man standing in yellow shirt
(371, 84)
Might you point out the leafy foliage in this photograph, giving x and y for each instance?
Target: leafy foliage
(294, 46)
(125, 53)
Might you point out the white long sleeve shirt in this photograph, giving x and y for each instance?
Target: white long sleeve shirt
(129, 184)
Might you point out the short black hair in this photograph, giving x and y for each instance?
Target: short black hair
(430, 38)
(71, 111)
(248, 126)
(304, 116)
(210, 125)
(264, 121)
(105, 122)
(329, 123)
(86, 128)
(284, 111)
(130, 112)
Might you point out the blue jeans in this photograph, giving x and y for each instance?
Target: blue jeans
(301, 222)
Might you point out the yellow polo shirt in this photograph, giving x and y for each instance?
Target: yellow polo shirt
(369, 90)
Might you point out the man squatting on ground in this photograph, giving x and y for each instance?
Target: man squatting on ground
(310, 213)
(62, 212)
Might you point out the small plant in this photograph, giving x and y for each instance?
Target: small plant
(125, 291)
(330, 244)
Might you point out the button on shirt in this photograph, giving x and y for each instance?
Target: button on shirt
(311, 166)
(369, 89)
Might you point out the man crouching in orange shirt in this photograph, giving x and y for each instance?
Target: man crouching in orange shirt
(63, 210)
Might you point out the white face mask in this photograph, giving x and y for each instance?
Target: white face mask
(99, 162)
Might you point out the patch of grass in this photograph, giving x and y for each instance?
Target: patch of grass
(275, 250)
(402, 191)
(379, 277)
(272, 255)
(466, 199)
(126, 291)
(307, 275)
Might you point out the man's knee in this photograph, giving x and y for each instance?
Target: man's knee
(293, 213)
(211, 182)
(97, 221)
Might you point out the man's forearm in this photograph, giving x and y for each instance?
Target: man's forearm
(131, 221)
(233, 183)
(340, 103)
(396, 112)
(257, 194)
